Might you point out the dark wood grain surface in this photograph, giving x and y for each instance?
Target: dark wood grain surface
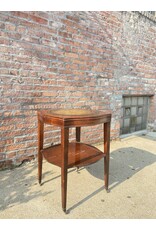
(79, 154)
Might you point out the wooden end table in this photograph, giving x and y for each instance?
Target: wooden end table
(74, 154)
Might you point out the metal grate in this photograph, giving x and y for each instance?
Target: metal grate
(134, 114)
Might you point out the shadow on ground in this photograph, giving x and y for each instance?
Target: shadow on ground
(19, 185)
(124, 163)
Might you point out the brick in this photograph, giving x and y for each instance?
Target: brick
(10, 27)
(6, 164)
(21, 29)
(20, 14)
(14, 147)
(72, 55)
(11, 155)
(38, 19)
(72, 18)
(49, 94)
(65, 34)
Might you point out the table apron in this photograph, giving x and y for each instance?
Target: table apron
(75, 122)
(87, 122)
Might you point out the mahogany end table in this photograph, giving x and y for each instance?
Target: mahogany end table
(74, 154)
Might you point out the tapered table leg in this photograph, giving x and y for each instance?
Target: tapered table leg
(106, 151)
(78, 137)
(64, 165)
(78, 134)
(40, 147)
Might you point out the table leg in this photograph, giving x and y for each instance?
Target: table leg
(40, 147)
(64, 166)
(78, 133)
(106, 151)
(78, 136)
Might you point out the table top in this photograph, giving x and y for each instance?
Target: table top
(66, 115)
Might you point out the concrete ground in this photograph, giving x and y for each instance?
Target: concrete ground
(132, 184)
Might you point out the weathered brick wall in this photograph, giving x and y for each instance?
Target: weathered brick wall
(69, 59)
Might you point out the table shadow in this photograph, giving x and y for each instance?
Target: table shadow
(19, 185)
(124, 163)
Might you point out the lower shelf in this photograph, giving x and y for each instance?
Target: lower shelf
(79, 154)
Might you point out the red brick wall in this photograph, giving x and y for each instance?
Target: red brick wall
(69, 59)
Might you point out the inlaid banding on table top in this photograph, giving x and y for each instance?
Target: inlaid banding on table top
(72, 112)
